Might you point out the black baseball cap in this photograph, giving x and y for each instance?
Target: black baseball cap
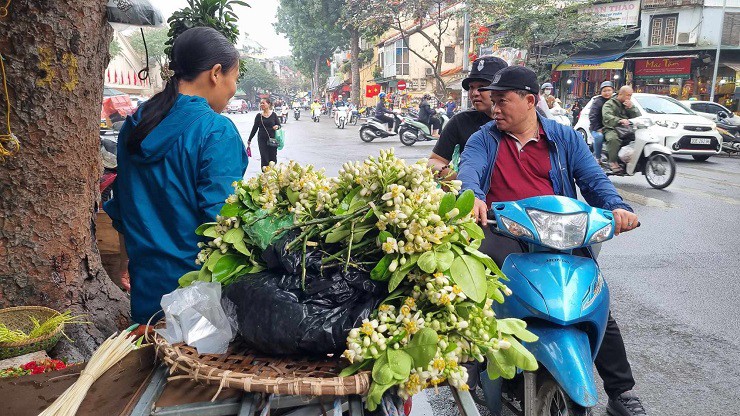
(514, 78)
(483, 69)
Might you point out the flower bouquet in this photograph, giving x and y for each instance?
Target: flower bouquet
(395, 221)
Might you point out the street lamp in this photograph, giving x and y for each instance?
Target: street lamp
(673, 80)
(616, 77)
(661, 80)
(569, 81)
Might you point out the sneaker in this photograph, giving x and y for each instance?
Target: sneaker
(626, 404)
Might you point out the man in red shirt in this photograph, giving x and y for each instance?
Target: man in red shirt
(519, 155)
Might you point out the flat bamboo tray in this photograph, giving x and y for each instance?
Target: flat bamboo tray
(243, 369)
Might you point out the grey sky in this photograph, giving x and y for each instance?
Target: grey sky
(256, 21)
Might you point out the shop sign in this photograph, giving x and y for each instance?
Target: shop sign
(589, 67)
(401, 85)
(623, 13)
(660, 67)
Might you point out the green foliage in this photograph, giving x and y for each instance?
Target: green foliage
(156, 39)
(255, 78)
(549, 30)
(218, 14)
(114, 48)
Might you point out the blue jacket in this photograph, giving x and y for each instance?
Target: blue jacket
(572, 164)
(179, 180)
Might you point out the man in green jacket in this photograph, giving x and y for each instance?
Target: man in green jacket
(618, 110)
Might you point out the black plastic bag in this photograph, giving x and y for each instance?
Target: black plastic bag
(276, 315)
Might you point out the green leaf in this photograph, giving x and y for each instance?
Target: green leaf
(485, 259)
(444, 260)
(395, 294)
(212, 259)
(360, 232)
(242, 248)
(188, 278)
(204, 227)
(210, 232)
(345, 204)
(428, 262)
(502, 364)
(463, 309)
(247, 200)
(205, 275)
(355, 368)
(465, 203)
(227, 266)
(382, 373)
(401, 272)
(516, 327)
(400, 364)
(495, 293)
(422, 347)
(338, 234)
(474, 231)
(520, 356)
(234, 235)
(375, 395)
(230, 210)
(447, 203)
(292, 195)
(383, 236)
(469, 274)
(380, 271)
(457, 249)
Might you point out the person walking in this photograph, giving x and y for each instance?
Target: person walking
(266, 123)
(177, 160)
(595, 118)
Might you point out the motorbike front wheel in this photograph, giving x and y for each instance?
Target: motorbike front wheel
(408, 137)
(660, 169)
(553, 401)
(366, 135)
(341, 123)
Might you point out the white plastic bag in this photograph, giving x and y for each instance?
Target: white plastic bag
(625, 153)
(194, 315)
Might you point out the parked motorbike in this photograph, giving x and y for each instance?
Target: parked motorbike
(375, 128)
(730, 135)
(341, 115)
(644, 154)
(562, 297)
(296, 113)
(412, 130)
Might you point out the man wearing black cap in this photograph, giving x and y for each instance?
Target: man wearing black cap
(463, 124)
(521, 154)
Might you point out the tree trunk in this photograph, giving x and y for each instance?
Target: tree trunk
(55, 57)
(315, 80)
(355, 64)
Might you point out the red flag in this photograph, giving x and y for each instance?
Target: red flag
(369, 91)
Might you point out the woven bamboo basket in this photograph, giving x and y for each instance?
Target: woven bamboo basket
(19, 318)
(243, 369)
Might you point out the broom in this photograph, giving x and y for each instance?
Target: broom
(106, 356)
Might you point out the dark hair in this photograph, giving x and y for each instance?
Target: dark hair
(196, 50)
(267, 100)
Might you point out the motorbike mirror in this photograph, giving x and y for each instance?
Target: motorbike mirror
(722, 115)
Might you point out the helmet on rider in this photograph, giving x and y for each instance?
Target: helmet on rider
(545, 86)
(427, 96)
(606, 84)
(381, 95)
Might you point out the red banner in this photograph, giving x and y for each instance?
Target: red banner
(662, 66)
(372, 91)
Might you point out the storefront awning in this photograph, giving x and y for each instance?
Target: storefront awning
(635, 58)
(589, 67)
(734, 66)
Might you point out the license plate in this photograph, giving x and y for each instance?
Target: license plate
(696, 140)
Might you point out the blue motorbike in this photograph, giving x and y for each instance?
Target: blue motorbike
(563, 298)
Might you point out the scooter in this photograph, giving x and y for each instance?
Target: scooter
(284, 114)
(354, 117)
(316, 115)
(562, 297)
(375, 128)
(412, 130)
(341, 117)
(730, 134)
(296, 113)
(644, 154)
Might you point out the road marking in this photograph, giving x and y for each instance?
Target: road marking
(644, 200)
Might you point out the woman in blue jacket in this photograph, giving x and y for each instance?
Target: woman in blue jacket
(177, 159)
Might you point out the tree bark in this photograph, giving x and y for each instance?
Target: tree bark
(355, 65)
(55, 57)
(315, 80)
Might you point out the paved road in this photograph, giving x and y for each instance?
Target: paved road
(674, 282)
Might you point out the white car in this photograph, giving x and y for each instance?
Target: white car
(680, 129)
(712, 110)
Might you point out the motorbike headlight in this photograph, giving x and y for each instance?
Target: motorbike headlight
(668, 124)
(516, 229)
(601, 235)
(561, 232)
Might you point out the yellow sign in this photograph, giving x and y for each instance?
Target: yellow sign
(588, 67)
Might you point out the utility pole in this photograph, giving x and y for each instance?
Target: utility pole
(466, 50)
(719, 46)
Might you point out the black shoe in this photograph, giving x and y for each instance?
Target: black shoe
(626, 404)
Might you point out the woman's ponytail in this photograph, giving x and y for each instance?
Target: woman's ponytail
(152, 113)
(196, 50)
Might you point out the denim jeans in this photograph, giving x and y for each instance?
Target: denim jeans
(598, 143)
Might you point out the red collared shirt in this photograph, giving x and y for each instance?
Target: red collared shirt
(521, 171)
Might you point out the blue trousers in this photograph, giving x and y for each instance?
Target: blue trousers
(598, 143)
